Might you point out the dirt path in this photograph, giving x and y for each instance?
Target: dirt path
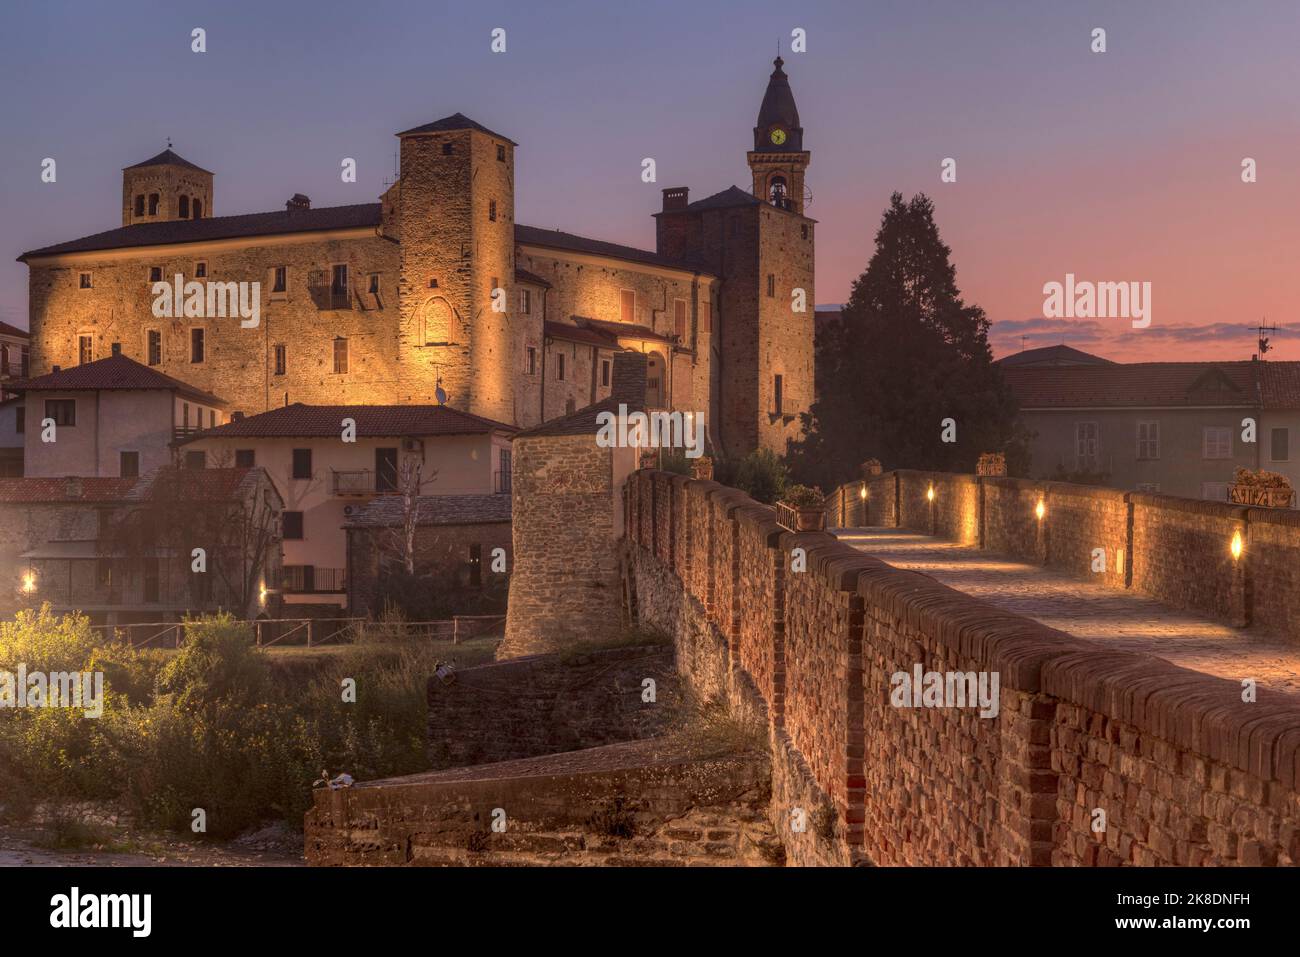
(21, 847)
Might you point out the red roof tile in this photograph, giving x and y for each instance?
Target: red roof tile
(111, 374)
(52, 490)
(1137, 384)
(304, 421)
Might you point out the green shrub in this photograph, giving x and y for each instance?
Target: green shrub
(761, 475)
(801, 496)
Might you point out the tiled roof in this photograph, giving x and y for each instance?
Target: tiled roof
(192, 485)
(523, 275)
(1133, 384)
(729, 197)
(109, 374)
(1058, 355)
(8, 330)
(32, 490)
(555, 239)
(457, 121)
(303, 421)
(282, 221)
(168, 158)
(575, 333)
(627, 330)
(387, 511)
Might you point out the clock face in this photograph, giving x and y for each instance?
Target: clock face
(778, 136)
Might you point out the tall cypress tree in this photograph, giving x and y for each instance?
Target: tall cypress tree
(908, 353)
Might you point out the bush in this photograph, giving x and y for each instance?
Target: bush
(801, 496)
(761, 475)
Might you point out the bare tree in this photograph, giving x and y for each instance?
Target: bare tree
(400, 539)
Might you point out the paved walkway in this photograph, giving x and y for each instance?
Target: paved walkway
(1119, 619)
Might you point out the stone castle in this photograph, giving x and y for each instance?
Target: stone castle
(436, 295)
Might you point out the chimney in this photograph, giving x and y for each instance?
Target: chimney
(72, 487)
(299, 201)
(676, 197)
(629, 379)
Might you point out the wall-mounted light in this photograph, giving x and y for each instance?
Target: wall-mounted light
(929, 493)
(862, 492)
(262, 593)
(1040, 509)
(1236, 545)
(29, 582)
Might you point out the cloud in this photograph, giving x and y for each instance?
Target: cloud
(1115, 337)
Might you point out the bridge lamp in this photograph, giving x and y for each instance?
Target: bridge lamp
(29, 582)
(929, 494)
(261, 593)
(1040, 509)
(1236, 545)
(862, 493)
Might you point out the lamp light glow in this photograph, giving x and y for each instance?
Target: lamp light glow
(862, 492)
(929, 493)
(29, 582)
(1040, 509)
(1236, 545)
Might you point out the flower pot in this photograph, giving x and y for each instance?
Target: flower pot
(810, 519)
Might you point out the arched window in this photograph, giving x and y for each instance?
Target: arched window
(153, 204)
(197, 209)
(777, 192)
(139, 204)
(185, 207)
(436, 326)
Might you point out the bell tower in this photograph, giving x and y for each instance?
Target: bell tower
(778, 159)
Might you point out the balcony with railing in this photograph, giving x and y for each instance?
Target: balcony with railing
(362, 482)
(313, 580)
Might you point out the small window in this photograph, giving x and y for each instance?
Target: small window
(115, 348)
(153, 204)
(302, 463)
(559, 367)
(679, 319)
(704, 315)
(139, 204)
(447, 149)
(195, 459)
(1280, 445)
(280, 279)
(62, 411)
(374, 284)
(501, 153)
(492, 210)
(803, 230)
(778, 395)
(128, 464)
(476, 565)
(155, 273)
(185, 207)
(83, 281)
(279, 359)
(185, 415)
(20, 419)
(200, 270)
(771, 284)
(196, 345)
(339, 278)
(531, 360)
(85, 349)
(153, 347)
(526, 301)
(627, 305)
(340, 355)
(1087, 442)
(604, 372)
(1148, 441)
(292, 525)
(197, 211)
(245, 458)
(1216, 442)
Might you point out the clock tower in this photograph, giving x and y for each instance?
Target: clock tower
(778, 159)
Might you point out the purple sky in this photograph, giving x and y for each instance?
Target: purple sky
(1116, 166)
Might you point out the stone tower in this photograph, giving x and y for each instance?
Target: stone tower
(760, 243)
(165, 188)
(455, 208)
(778, 159)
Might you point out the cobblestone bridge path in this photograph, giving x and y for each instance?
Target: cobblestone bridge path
(1117, 619)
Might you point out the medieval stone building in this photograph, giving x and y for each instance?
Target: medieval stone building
(436, 295)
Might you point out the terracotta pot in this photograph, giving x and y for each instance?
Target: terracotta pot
(810, 519)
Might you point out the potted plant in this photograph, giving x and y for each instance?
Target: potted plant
(809, 506)
(1261, 488)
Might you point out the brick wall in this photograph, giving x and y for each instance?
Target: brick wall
(1185, 771)
(1181, 554)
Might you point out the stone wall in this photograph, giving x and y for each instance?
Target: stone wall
(1183, 769)
(542, 704)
